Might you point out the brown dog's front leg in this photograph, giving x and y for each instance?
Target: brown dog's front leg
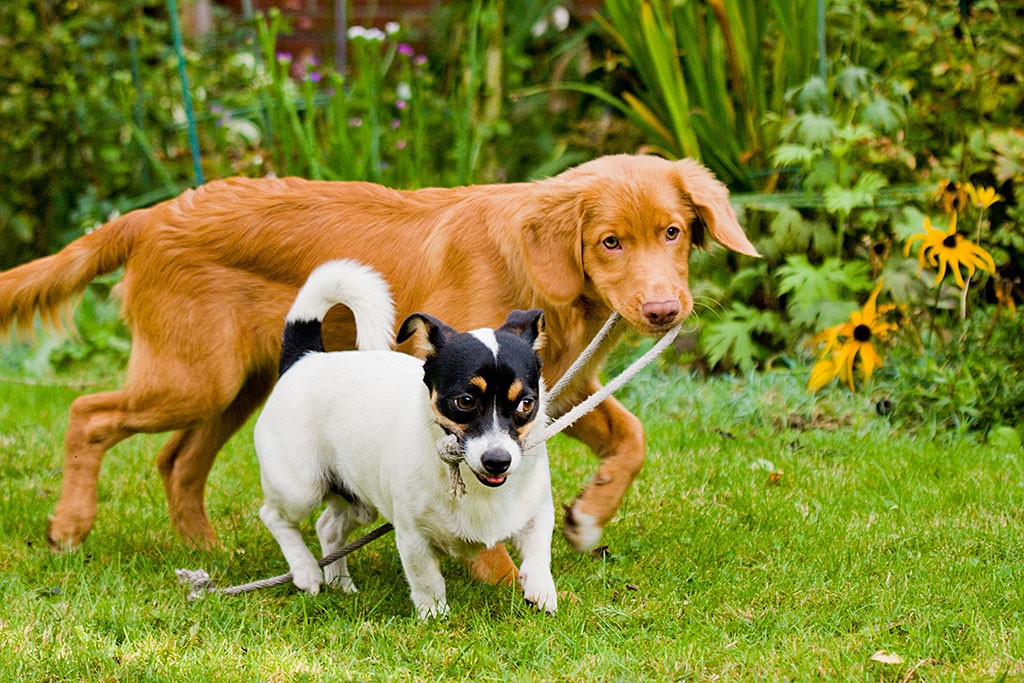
(617, 437)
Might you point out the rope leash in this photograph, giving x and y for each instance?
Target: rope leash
(201, 584)
(449, 452)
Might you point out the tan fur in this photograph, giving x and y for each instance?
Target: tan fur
(514, 390)
(480, 383)
(210, 274)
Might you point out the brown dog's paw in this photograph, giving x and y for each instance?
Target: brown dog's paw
(63, 538)
(494, 566)
(582, 530)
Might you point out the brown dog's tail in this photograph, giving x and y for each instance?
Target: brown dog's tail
(50, 285)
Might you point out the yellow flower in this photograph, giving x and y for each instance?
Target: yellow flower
(951, 195)
(941, 249)
(848, 341)
(982, 197)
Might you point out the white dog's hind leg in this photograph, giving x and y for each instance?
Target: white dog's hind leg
(306, 575)
(338, 520)
(534, 545)
(423, 572)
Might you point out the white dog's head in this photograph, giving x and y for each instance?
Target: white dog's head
(484, 386)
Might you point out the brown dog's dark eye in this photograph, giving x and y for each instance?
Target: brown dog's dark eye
(611, 243)
(672, 233)
(464, 402)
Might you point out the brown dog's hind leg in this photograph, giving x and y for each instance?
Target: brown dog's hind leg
(186, 460)
(617, 437)
(98, 422)
(494, 566)
(94, 427)
(172, 393)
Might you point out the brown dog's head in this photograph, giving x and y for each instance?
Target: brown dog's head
(619, 229)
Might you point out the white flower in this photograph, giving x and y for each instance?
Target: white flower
(375, 34)
(403, 91)
(243, 60)
(356, 32)
(560, 18)
(539, 28)
(392, 27)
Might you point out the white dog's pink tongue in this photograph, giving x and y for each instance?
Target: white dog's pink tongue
(495, 480)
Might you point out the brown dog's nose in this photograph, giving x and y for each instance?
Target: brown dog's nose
(661, 312)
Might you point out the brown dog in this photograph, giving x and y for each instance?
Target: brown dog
(210, 274)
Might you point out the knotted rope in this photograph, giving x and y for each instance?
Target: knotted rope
(449, 451)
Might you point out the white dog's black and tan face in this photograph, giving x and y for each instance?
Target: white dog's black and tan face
(484, 386)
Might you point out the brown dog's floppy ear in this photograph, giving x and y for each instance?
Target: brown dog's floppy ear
(527, 324)
(710, 199)
(431, 334)
(553, 244)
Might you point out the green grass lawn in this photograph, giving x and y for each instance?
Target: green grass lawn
(771, 536)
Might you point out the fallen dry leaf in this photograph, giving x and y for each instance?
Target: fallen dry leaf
(884, 657)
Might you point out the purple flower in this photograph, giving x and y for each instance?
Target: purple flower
(401, 104)
(355, 122)
(314, 76)
(420, 60)
(400, 144)
(395, 123)
(284, 56)
(406, 49)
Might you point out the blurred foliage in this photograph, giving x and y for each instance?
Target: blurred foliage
(973, 381)
(826, 237)
(90, 103)
(711, 77)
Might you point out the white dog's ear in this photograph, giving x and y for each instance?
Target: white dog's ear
(710, 200)
(527, 324)
(429, 332)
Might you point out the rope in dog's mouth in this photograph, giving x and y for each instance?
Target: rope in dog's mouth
(451, 453)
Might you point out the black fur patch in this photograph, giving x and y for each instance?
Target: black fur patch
(300, 337)
(450, 374)
(337, 486)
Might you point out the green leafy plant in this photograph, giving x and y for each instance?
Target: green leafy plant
(826, 239)
(737, 333)
(710, 74)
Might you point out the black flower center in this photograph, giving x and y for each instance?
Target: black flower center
(862, 333)
(950, 241)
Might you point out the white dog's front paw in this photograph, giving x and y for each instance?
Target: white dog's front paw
(308, 577)
(335, 578)
(581, 530)
(539, 589)
(428, 608)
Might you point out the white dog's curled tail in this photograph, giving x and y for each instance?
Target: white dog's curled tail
(346, 282)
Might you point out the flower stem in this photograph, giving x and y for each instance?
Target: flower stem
(931, 323)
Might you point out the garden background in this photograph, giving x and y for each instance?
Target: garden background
(835, 442)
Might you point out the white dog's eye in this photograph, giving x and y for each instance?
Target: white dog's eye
(464, 402)
(672, 233)
(526, 405)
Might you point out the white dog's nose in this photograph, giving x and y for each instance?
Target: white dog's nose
(496, 461)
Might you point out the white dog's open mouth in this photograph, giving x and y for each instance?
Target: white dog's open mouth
(490, 479)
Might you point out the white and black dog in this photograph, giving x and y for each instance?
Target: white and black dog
(359, 430)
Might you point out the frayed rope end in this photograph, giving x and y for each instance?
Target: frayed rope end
(197, 580)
